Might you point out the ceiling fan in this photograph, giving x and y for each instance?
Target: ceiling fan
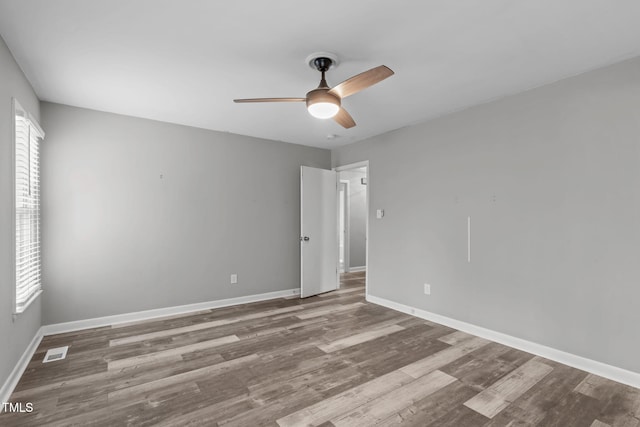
(325, 102)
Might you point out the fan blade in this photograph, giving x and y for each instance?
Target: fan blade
(344, 119)
(362, 81)
(271, 100)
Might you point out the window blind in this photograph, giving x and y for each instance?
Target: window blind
(28, 136)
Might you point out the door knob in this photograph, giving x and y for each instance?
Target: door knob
(304, 238)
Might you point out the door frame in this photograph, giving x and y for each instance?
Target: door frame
(347, 220)
(358, 165)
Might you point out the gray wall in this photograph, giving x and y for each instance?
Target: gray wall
(551, 180)
(14, 335)
(357, 216)
(118, 238)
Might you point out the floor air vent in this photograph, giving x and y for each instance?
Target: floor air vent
(54, 354)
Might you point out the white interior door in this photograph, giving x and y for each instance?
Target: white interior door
(318, 231)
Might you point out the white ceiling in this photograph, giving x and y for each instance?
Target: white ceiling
(185, 61)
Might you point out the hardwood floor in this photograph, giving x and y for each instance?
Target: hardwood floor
(330, 360)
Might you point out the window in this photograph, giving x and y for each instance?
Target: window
(28, 136)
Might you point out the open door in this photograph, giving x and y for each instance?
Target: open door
(318, 231)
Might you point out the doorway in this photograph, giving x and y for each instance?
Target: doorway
(353, 217)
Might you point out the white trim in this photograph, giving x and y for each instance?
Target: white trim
(614, 373)
(58, 328)
(97, 322)
(359, 268)
(356, 165)
(12, 381)
(15, 105)
(33, 122)
(598, 368)
(366, 234)
(337, 247)
(346, 217)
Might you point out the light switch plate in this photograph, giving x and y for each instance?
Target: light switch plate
(379, 213)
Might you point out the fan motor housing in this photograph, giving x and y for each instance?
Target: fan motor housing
(322, 95)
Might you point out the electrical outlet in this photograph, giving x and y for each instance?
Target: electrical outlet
(427, 289)
(234, 279)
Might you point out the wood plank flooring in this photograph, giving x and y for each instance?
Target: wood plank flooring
(329, 360)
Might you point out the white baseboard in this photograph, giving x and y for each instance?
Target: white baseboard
(98, 322)
(614, 373)
(356, 269)
(58, 328)
(598, 368)
(11, 382)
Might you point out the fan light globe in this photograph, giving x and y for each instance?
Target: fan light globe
(323, 110)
